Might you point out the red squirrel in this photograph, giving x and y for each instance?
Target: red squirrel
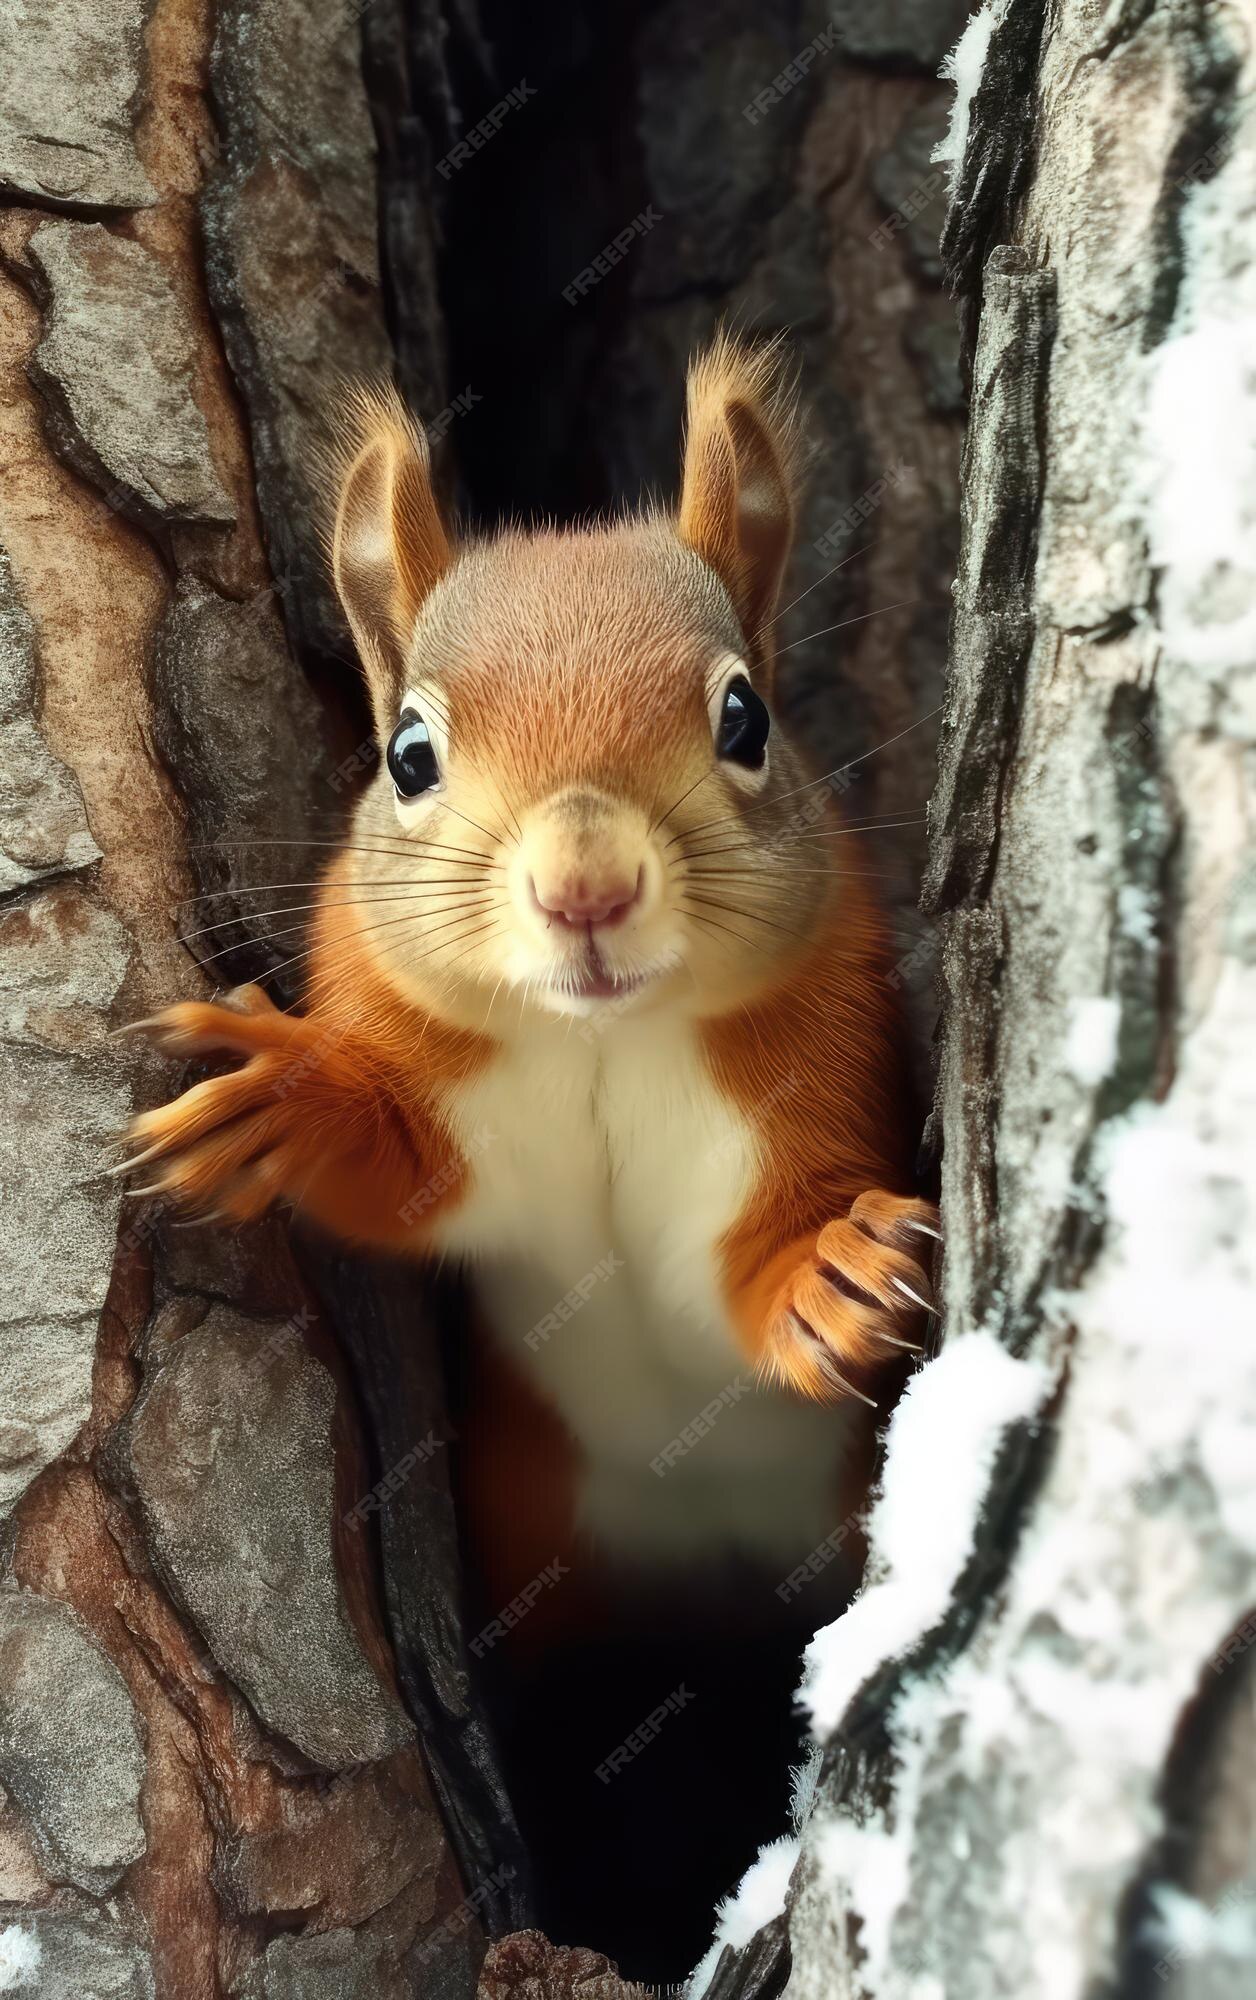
(586, 1013)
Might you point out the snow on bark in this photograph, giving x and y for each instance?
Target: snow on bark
(939, 1456)
(963, 67)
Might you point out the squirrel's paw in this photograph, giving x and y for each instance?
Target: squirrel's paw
(242, 1022)
(299, 1121)
(857, 1301)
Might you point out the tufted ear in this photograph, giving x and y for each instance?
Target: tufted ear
(737, 496)
(389, 546)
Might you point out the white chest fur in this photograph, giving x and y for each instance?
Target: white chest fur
(606, 1169)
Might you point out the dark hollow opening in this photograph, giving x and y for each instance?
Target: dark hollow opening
(633, 117)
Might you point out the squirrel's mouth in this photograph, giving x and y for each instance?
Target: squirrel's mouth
(590, 978)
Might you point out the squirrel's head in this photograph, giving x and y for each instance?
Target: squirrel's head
(584, 793)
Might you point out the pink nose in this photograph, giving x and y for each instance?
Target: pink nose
(576, 901)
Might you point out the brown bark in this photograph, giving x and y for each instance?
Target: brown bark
(235, 1760)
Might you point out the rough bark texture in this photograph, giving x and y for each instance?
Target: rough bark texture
(1047, 1789)
(212, 1782)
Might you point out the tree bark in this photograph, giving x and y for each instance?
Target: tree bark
(209, 1753)
(1043, 1784)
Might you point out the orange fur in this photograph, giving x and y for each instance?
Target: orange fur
(324, 1114)
(817, 1066)
(741, 472)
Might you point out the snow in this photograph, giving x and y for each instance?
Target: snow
(873, 1866)
(1184, 1928)
(1180, 1187)
(1226, 1452)
(1199, 444)
(939, 1455)
(804, 1779)
(20, 1955)
(758, 1897)
(1201, 478)
(963, 67)
(1090, 1040)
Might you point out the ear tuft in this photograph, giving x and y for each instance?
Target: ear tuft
(742, 451)
(389, 548)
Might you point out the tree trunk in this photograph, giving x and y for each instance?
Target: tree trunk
(1039, 1725)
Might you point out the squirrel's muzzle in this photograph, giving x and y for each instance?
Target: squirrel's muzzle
(585, 861)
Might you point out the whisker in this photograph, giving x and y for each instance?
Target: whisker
(842, 623)
(356, 943)
(461, 934)
(888, 826)
(752, 942)
(445, 942)
(824, 779)
(320, 881)
(751, 916)
(286, 930)
(468, 947)
(814, 586)
(681, 800)
(748, 848)
(756, 874)
(345, 846)
(697, 919)
(446, 807)
(488, 1012)
(291, 909)
(506, 812)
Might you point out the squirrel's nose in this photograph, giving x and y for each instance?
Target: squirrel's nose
(575, 901)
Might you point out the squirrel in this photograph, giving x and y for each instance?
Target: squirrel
(585, 1013)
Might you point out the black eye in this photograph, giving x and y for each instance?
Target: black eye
(411, 758)
(744, 725)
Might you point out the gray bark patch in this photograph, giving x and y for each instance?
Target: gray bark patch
(230, 1452)
(115, 367)
(337, 1966)
(70, 84)
(88, 1957)
(43, 823)
(62, 961)
(902, 34)
(73, 1766)
(292, 262)
(241, 733)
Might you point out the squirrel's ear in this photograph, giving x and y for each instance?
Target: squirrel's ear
(737, 496)
(389, 547)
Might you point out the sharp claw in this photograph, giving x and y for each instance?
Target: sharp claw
(912, 1346)
(915, 1297)
(849, 1387)
(827, 1364)
(129, 1166)
(158, 1187)
(925, 1228)
(134, 1028)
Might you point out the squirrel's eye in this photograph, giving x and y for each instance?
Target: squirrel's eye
(411, 758)
(744, 725)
